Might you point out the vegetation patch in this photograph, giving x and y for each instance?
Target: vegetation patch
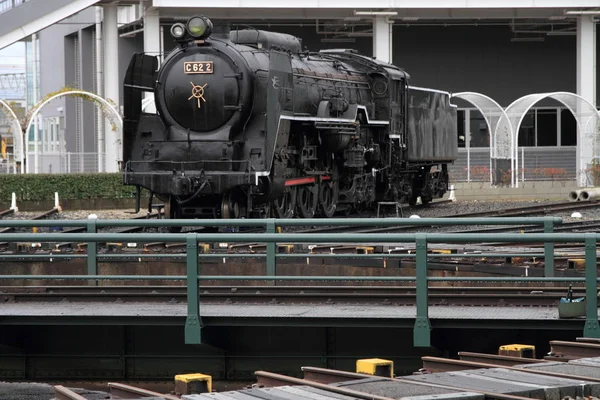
(40, 187)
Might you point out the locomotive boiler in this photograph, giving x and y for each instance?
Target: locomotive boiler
(249, 124)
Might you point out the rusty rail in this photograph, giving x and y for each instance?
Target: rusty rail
(284, 294)
(126, 392)
(587, 340)
(496, 359)
(327, 376)
(560, 348)
(62, 393)
(6, 213)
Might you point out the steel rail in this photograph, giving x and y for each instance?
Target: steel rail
(44, 215)
(509, 212)
(454, 220)
(300, 289)
(6, 213)
(326, 295)
(126, 392)
(497, 359)
(574, 349)
(62, 393)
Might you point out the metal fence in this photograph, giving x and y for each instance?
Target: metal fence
(52, 163)
(270, 239)
(472, 165)
(535, 164)
(63, 163)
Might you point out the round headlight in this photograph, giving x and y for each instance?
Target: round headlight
(178, 30)
(199, 27)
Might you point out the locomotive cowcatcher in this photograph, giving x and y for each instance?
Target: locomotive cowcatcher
(249, 124)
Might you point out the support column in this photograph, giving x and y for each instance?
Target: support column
(152, 38)
(112, 139)
(382, 39)
(586, 87)
(152, 33)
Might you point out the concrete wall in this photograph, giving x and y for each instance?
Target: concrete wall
(528, 190)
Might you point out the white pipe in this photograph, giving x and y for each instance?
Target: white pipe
(574, 195)
(452, 196)
(36, 148)
(112, 140)
(56, 202)
(13, 203)
(589, 194)
(588, 12)
(523, 164)
(132, 33)
(99, 90)
(377, 13)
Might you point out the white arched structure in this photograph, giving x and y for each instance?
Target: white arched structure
(500, 144)
(17, 133)
(109, 110)
(585, 114)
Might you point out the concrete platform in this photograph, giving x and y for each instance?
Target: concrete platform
(499, 380)
(540, 190)
(398, 389)
(275, 393)
(569, 368)
(40, 391)
(555, 388)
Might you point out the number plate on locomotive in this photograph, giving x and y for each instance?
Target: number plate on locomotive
(198, 67)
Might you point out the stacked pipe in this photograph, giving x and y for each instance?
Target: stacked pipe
(574, 195)
(584, 194)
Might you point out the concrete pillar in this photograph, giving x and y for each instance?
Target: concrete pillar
(586, 88)
(152, 38)
(152, 32)
(111, 84)
(586, 58)
(382, 38)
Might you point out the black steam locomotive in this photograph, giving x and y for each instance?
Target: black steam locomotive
(249, 124)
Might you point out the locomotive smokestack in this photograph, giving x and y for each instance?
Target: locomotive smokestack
(221, 30)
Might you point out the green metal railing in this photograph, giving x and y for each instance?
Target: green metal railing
(422, 326)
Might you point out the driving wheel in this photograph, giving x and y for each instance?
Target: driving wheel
(285, 204)
(328, 198)
(308, 199)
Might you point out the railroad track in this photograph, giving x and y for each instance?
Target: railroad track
(508, 212)
(41, 216)
(253, 247)
(393, 296)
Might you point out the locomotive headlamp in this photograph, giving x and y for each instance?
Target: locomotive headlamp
(199, 27)
(178, 30)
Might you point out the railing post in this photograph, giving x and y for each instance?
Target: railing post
(591, 328)
(421, 332)
(193, 323)
(548, 251)
(271, 262)
(92, 252)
